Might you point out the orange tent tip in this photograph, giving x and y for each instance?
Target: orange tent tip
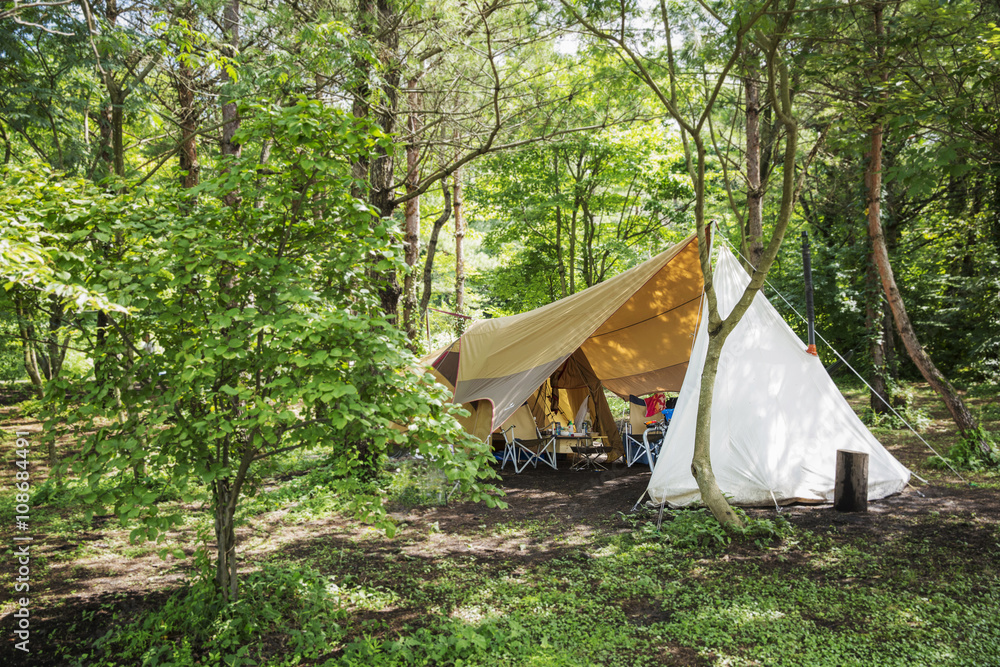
(812, 350)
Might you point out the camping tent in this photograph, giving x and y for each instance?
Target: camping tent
(777, 417)
(631, 334)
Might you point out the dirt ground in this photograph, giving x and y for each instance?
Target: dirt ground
(74, 600)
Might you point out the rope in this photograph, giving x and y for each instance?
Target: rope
(844, 361)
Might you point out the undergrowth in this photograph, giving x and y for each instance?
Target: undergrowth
(967, 453)
(281, 610)
(689, 529)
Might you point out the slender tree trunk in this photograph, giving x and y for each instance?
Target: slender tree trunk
(28, 347)
(701, 462)
(425, 299)
(226, 572)
(230, 113)
(459, 255)
(560, 260)
(879, 398)
(188, 122)
(753, 237)
(118, 131)
(412, 216)
(960, 413)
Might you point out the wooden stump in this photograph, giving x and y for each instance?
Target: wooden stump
(850, 491)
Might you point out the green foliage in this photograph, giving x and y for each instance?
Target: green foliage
(968, 454)
(265, 335)
(11, 352)
(414, 483)
(916, 417)
(697, 529)
(291, 606)
(38, 209)
(574, 213)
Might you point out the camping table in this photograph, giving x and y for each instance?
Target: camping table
(585, 448)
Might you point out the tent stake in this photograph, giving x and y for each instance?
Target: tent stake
(659, 519)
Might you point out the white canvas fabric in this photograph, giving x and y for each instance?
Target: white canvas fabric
(777, 417)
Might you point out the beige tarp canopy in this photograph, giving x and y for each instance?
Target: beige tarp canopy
(631, 334)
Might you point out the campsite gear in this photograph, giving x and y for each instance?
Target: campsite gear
(777, 417)
(522, 451)
(588, 454)
(645, 449)
(655, 403)
(634, 450)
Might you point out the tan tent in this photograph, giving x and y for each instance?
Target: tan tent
(631, 334)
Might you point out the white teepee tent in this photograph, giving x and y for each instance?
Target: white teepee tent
(777, 417)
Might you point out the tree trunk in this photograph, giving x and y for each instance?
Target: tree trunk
(118, 132)
(753, 237)
(960, 413)
(560, 260)
(188, 122)
(412, 216)
(230, 113)
(459, 255)
(226, 573)
(701, 462)
(879, 398)
(425, 299)
(378, 21)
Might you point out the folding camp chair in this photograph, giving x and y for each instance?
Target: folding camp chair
(541, 449)
(652, 439)
(634, 447)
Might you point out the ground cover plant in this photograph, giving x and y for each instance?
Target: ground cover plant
(567, 574)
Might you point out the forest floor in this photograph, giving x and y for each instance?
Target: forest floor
(566, 574)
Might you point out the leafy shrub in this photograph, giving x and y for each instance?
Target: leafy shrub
(698, 529)
(918, 418)
(287, 606)
(967, 454)
(990, 411)
(414, 483)
(31, 407)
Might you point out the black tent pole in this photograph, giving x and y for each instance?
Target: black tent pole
(810, 311)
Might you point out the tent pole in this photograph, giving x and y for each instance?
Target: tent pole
(810, 311)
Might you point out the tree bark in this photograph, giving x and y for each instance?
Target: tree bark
(964, 420)
(560, 260)
(28, 347)
(230, 113)
(412, 215)
(701, 462)
(188, 122)
(753, 238)
(879, 398)
(425, 299)
(226, 572)
(459, 255)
